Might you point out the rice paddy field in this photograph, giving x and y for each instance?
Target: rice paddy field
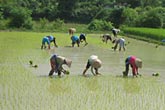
(23, 87)
(151, 33)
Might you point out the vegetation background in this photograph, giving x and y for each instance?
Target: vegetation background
(51, 15)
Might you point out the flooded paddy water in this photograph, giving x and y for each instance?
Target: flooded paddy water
(23, 87)
(113, 62)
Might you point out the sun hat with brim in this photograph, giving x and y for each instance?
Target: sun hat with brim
(138, 62)
(96, 63)
(68, 62)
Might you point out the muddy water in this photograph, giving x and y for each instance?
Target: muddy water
(113, 61)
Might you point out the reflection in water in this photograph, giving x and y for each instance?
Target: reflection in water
(131, 85)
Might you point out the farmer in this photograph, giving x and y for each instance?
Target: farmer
(95, 63)
(135, 63)
(72, 31)
(106, 37)
(48, 40)
(82, 38)
(115, 32)
(120, 42)
(75, 39)
(56, 62)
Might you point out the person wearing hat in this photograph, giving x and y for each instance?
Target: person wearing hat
(135, 64)
(56, 62)
(48, 40)
(72, 31)
(121, 42)
(93, 62)
(106, 37)
(82, 38)
(115, 32)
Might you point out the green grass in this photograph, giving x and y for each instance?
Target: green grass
(147, 34)
(22, 89)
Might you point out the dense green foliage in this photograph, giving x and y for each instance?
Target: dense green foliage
(141, 13)
(100, 25)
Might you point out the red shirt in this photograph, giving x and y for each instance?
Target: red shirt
(133, 65)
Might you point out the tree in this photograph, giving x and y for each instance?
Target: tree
(129, 16)
(154, 18)
(152, 3)
(116, 17)
(20, 17)
(66, 8)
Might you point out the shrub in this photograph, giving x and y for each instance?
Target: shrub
(20, 17)
(101, 25)
(58, 24)
(129, 16)
(43, 23)
(154, 18)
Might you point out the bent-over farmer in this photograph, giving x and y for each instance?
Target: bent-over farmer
(48, 40)
(94, 63)
(56, 62)
(82, 38)
(135, 63)
(75, 40)
(120, 42)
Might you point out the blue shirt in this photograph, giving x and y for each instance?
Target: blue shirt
(74, 38)
(50, 38)
(45, 40)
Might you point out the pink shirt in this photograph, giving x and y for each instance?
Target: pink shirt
(133, 65)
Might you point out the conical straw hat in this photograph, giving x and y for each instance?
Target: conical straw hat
(68, 62)
(97, 63)
(138, 63)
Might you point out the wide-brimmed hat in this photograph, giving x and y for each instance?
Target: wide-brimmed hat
(138, 63)
(97, 63)
(72, 30)
(68, 62)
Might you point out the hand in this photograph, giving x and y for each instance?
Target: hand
(98, 74)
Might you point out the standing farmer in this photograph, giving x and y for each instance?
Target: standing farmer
(48, 40)
(57, 62)
(93, 62)
(135, 63)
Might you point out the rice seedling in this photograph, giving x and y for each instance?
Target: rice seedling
(26, 88)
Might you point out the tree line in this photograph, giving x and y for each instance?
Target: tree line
(136, 13)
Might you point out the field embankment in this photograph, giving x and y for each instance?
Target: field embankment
(146, 34)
